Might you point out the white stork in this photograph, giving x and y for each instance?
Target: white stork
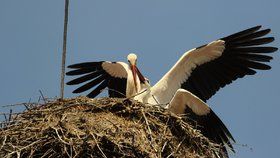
(186, 87)
(121, 79)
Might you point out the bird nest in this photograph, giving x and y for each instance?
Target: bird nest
(105, 127)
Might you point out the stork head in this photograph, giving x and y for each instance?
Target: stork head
(132, 60)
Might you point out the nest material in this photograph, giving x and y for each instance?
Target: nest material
(105, 127)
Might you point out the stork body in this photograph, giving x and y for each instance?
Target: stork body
(193, 79)
(122, 80)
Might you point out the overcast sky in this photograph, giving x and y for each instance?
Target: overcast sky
(159, 31)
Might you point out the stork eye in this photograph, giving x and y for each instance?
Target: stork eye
(147, 80)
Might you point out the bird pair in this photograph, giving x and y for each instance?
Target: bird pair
(186, 87)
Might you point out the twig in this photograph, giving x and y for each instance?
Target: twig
(39, 99)
(147, 123)
(18, 151)
(65, 149)
(46, 153)
(12, 105)
(4, 142)
(26, 106)
(164, 145)
(60, 137)
(6, 120)
(64, 49)
(109, 89)
(98, 145)
(149, 129)
(136, 94)
(176, 148)
(10, 115)
(44, 99)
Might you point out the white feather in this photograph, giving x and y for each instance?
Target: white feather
(184, 98)
(166, 87)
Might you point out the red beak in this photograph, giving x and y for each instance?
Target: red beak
(135, 71)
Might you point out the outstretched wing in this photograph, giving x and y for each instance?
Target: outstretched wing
(244, 53)
(206, 69)
(100, 75)
(166, 87)
(199, 114)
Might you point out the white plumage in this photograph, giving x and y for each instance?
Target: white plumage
(163, 91)
(184, 97)
(193, 79)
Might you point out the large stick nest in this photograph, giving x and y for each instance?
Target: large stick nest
(105, 127)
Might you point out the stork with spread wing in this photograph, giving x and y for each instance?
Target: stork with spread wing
(186, 87)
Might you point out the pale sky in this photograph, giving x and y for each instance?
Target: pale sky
(159, 31)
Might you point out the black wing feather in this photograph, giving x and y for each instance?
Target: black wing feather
(241, 34)
(91, 84)
(86, 77)
(246, 50)
(97, 78)
(213, 128)
(255, 35)
(243, 54)
(81, 71)
(255, 42)
(261, 58)
(98, 89)
(116, 88)
(96, 65)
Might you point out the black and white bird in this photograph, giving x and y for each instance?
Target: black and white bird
(186, 87)
(121, 79)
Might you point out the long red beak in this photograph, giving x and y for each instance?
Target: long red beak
(135, 71)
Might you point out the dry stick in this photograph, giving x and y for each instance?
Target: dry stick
(44, 99)
(164, 134)
(3, 143)
(6, 119)
(60, 137)
(19, 150)
(65, 149)
(149, 129)
(103, 154)
(46, 153)
(64, 49)
(109, 89)
(39, 99)
(176, 148)
(12, 105)
(136, 94)
(10, 115)
(26, 106)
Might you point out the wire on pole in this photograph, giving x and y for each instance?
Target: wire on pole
(64, 49)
